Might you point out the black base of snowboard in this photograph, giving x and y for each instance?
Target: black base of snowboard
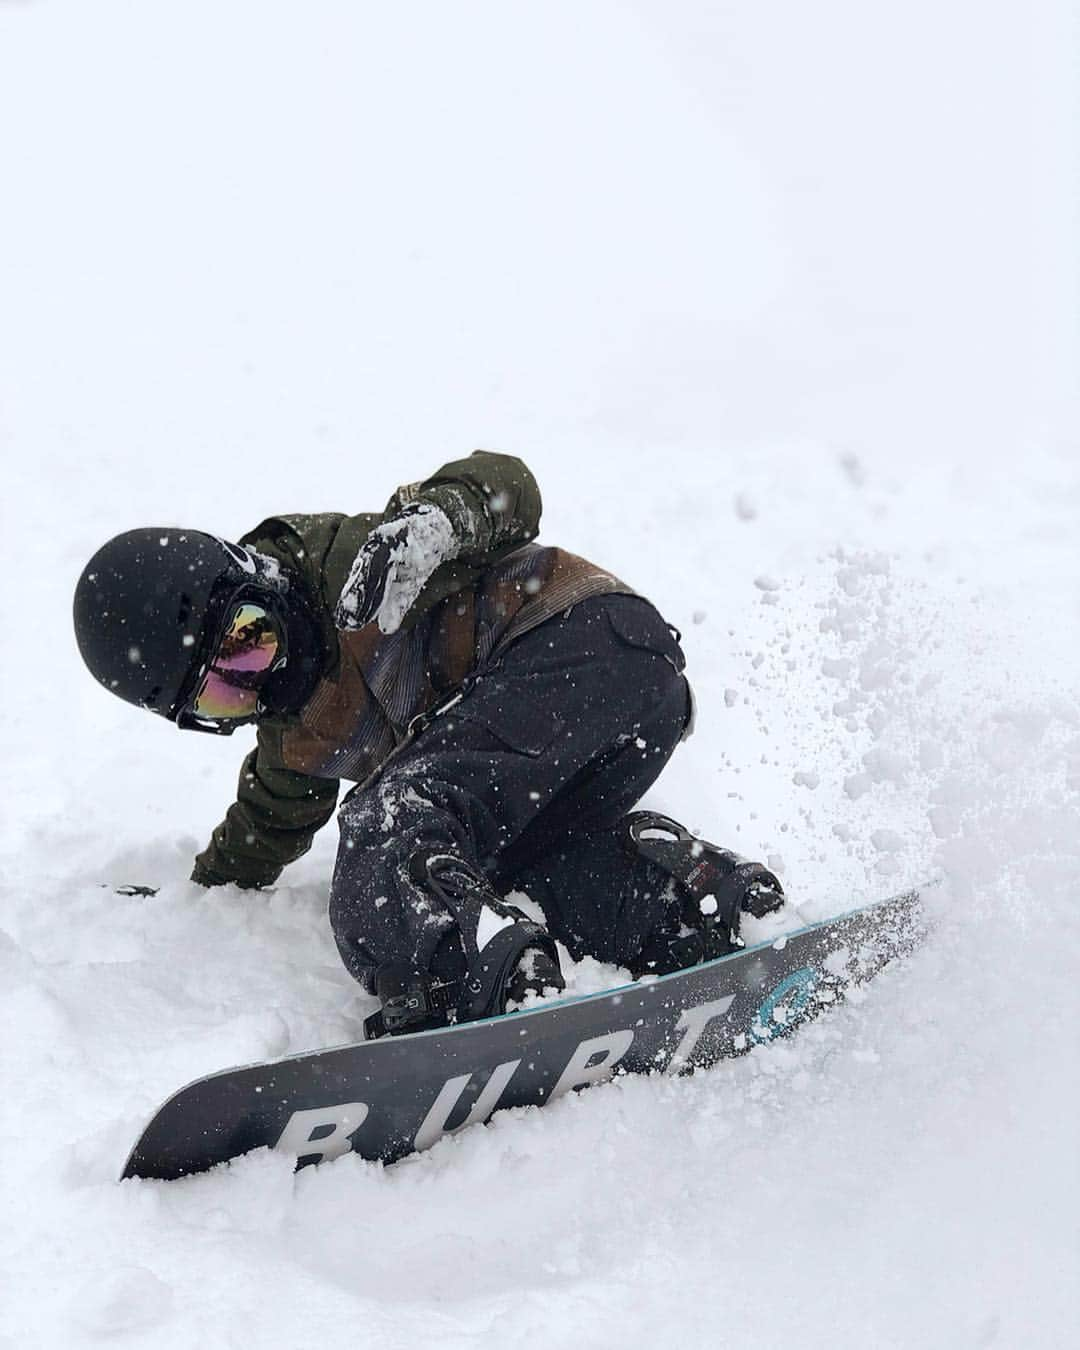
(387, 1098)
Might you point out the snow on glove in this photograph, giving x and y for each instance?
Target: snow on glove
(394, 565)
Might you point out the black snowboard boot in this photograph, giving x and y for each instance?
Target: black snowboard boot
(468, 982)
(711, 890)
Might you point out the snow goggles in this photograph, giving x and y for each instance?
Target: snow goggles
(243, 656)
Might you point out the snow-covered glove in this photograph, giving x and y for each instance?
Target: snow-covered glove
(393, 566)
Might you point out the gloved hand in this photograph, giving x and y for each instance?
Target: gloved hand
(394, 565)
(202, 875)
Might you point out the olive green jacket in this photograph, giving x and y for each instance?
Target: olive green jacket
(375, 686)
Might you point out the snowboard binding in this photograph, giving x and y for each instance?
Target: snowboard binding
(714, 885)
(520, 959)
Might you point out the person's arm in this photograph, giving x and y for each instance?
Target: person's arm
(452, 525)
(491, 500)
(271, 823)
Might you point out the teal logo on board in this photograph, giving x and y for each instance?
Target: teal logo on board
(787, 1002)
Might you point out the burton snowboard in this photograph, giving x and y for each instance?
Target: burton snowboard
(386, 1098)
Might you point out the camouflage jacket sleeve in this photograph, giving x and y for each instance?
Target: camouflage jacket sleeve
(271, 823)
(492, 501)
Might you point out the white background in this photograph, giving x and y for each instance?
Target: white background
(780, 304)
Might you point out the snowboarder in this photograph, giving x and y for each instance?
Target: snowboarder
(501, 706)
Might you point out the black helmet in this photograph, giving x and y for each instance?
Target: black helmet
(148, 605)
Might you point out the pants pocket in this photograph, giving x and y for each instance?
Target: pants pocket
(638, 624)
(512, 715)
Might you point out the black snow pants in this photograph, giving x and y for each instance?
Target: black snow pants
(527, 777)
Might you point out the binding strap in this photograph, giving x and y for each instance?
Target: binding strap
(410, 998)
(485, 984)
(718, 885)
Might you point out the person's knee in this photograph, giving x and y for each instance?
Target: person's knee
(364, 899)
(379, 913)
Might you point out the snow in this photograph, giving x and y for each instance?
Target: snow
(779, 296)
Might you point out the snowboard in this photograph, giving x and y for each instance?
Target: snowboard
(390, 1097)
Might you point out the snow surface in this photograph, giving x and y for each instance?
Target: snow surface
(780, 304)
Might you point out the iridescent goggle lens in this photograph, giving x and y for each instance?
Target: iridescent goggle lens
(245, 654)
